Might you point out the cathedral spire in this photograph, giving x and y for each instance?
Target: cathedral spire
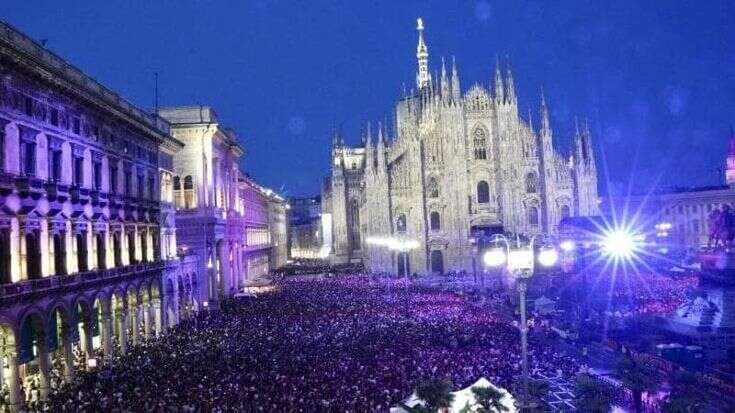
(455, 81)
(423, 78)
(530, 121)
(369, 136)
(444, 82)
(335, 138)
(510, 95)
(499, 93)
(545, 125)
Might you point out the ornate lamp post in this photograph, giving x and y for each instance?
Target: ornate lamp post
(520, 263)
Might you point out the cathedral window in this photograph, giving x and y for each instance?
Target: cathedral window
(565, 213)
(433, 188)
(401, 224)
(483, 192)
(435, 221)
(480, 143)
(531, 183)
(532, 215)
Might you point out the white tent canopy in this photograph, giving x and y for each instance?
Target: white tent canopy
(463, 398)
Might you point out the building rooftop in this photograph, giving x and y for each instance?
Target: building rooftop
(44, 61)
(180, 115)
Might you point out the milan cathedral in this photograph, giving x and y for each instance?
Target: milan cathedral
(458, 164)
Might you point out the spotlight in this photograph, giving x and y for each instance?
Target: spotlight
(567, 246)
(494, 258)
(548, 257)
(619, 244)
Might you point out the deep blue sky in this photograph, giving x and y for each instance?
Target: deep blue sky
(655, 78)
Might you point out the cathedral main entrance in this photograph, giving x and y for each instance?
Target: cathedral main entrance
(437, 262)
(404, 267)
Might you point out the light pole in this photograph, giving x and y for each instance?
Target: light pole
(521, 264)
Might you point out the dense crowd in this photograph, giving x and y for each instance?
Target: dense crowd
(342, 344)
(643, 293)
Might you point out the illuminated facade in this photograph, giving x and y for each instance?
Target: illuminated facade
(685, 212)
(88, 262)
(222, 216)
(459, 163)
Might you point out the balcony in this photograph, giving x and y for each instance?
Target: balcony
(57, 191)
(99, 198)
(30, 186)
(115, 199)
(21, 291)
(79, 195)
(7, 183)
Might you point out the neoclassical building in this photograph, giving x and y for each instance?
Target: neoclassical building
(222, 216)
(88, 262)
(459, 163)
(684, 211)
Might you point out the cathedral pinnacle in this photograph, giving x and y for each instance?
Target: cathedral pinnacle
(545, 126)
(423, 78)
(511, 90)
(499, 92)
(455, 81)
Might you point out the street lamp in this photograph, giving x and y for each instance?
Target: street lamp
(521, 263)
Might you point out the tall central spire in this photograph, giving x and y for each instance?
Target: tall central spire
(423, 78)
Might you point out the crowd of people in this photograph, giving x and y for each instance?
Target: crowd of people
(642, 292)
(348, 344)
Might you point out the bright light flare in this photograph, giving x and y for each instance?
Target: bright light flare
(520, 260)
(494, 257)
(567, 246)
(548, 257)
(619, 243)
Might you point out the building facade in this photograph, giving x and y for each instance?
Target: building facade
(222, 216)
(259, 239)
(88, 262)
(682, 214)
(459, 163)
(305, 235)
(278, 225)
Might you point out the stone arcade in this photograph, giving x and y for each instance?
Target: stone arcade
(89, 191)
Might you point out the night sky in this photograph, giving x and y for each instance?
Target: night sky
(655, 78)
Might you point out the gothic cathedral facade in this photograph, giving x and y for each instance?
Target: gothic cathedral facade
(458, 164)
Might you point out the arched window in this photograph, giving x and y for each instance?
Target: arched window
(401, 224)
(531, 183)
(532, 215)
(177, 183)
(434, 221)
(478, 138)
(565, 213)
(433, 188)
(483, 192)
(188, 192)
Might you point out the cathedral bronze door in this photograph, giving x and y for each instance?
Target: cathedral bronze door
(403, 264)
(437, 262)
